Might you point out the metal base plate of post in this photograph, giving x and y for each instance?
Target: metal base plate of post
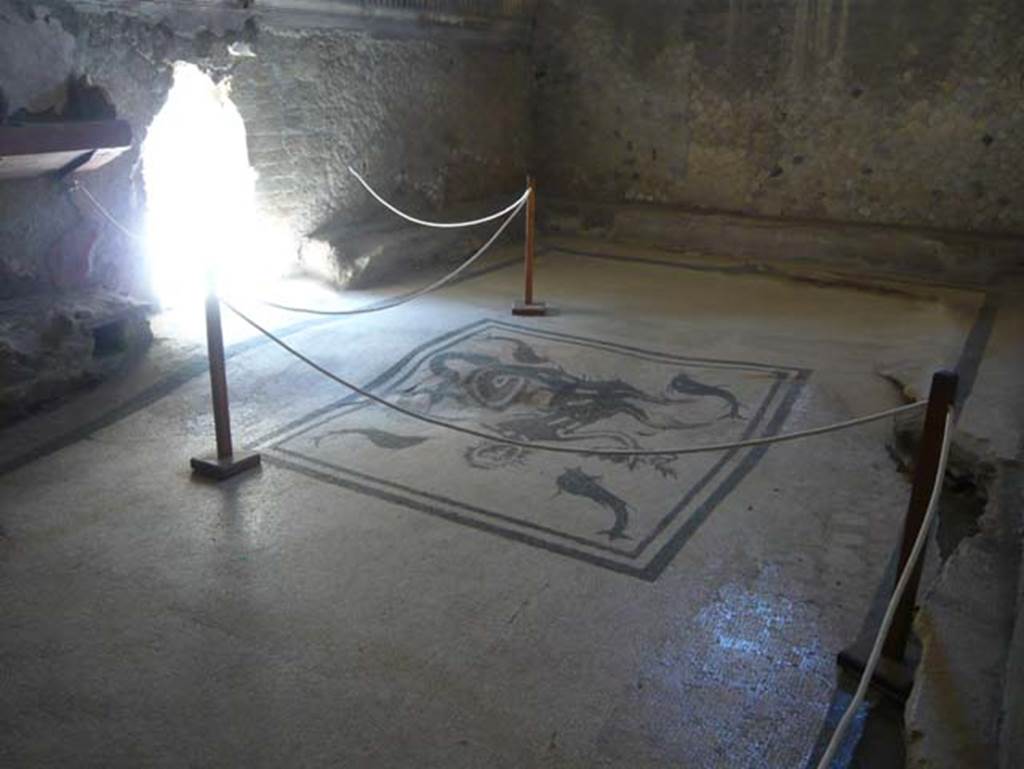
(222, 468)
(896, 679)
(533, 308)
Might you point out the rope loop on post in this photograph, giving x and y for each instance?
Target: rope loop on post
(514, 206)
(377, 307)
(409, 296)
(76, 186)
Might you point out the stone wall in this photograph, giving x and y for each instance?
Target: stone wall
(435, 117)
(427, 97)
(906, 112)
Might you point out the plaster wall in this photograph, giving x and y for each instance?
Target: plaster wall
(906, 112)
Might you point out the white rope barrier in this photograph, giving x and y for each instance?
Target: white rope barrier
(440, 225)
(408, 297)
(377, 307)
(780, 438)
(76, 186)
(894, 601)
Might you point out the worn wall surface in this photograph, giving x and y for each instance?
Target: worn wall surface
(907, 112)
(433, 118)
(435, 114)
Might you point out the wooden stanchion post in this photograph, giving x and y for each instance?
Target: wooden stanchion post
(895, 674)
(940, 400)
(528, 306)
(226, 462)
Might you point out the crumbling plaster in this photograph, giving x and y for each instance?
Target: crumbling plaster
(432, 121)
(434, 118)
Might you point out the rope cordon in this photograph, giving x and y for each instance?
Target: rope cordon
(77, 187)
(409, 296)
(440, 225)
(413, 414)
(894, 601)
(376, 307)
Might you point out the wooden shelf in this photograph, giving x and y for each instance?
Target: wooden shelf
(42, 148)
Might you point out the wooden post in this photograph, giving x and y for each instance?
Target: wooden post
(940, 399)
(225, 463)
(530, 253)
(218, 377)
(528, 306)
(894, 674)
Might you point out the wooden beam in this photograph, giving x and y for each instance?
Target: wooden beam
(35, 149)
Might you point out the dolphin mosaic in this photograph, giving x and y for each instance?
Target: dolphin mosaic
(576, 482)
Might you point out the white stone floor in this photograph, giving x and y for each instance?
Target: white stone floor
(336, 611)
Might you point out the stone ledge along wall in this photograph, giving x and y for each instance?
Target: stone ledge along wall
(870, 111)
(429, 99)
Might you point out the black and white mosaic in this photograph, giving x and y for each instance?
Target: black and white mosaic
(629, 514)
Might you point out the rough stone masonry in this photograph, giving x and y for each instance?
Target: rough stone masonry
(437, 115)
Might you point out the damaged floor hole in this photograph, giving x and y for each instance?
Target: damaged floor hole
(110, 339)
(964, 499)
(964, 496)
